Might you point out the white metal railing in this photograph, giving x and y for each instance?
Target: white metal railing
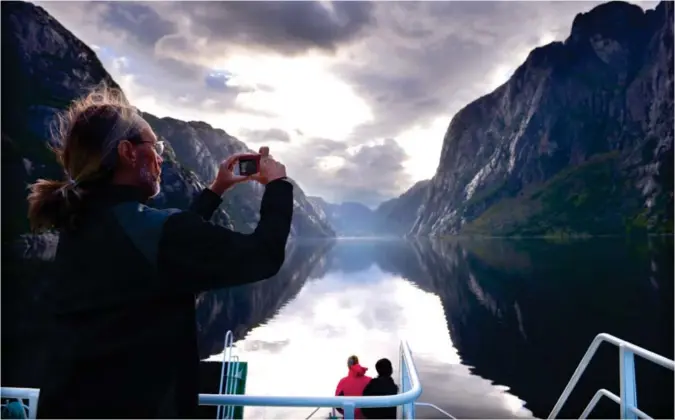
(605, 393)
(435, 407)
(411, 388)
(628, 399)
(228, 378)
(21, 394)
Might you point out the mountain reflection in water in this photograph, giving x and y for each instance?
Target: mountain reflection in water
(496, 327)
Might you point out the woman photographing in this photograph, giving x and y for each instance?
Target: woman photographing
(122, 299)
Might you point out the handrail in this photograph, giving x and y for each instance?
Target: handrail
(348, 404)
(628, 400)
(439, 409)
(605, 393)
(225, 376)
(31, 394)
(313, 412)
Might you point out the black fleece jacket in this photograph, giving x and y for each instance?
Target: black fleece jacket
(123, 338)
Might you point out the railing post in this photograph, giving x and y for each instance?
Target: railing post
(628, 391)
(348, 409)
(402, 375)
(32, 407)
(411, 405)
(405, 409)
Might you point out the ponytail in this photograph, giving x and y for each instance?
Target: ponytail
(87, 134)
(53, 204)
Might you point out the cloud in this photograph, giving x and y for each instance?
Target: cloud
(355, 96)
(262, 136)
(368, 173)
(287, 28)
(431, 58)
(126, 18)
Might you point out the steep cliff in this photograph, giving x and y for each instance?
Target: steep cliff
(45, 67)
(399, 214)
(201, 148)
(579, 139)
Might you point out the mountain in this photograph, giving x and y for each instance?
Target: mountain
(348, 218)
(399, 214)
(45, 67)
(393, 217)
(578, 140)
(200, 149)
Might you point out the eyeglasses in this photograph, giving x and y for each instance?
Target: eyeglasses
(157, 145)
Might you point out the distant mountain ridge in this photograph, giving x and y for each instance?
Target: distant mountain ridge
(393, 217)
(45, 67)
(578, 141)
(348, 218)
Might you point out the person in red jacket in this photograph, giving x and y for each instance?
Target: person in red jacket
(353, 384)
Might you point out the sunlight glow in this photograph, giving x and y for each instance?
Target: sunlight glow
(423, 144)
(301, 92)
(546, 38)
(331, 163)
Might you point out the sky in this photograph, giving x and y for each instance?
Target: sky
(353, 97)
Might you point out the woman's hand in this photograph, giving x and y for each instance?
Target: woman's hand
(226, 178)
(270, 170)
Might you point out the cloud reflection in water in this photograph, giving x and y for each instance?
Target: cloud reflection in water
(303, 349)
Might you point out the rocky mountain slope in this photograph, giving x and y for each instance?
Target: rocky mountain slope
(578, 140)
(399, 214)
(45, 67)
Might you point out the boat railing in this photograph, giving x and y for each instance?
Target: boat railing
(435, 407)
(27, 397)
(627, 388)
(411, 388)
(228, 378)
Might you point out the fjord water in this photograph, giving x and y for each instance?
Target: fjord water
(496, 326)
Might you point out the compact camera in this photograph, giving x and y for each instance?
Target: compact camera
(249, 165)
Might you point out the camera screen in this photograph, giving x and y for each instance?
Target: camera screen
(248, 167)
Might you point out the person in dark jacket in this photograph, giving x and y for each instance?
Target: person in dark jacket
(383, 384)
(122, 298)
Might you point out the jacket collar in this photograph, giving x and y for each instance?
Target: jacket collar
(113, 194)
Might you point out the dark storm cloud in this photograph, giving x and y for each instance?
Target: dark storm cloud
(165, 42)
(286, 27)
(140, 20)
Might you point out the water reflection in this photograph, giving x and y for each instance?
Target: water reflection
(523, 313)
(240, 308)
(493, 324)
(358, 307)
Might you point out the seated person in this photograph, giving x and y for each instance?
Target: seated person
(382, 385)
(352, 385)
